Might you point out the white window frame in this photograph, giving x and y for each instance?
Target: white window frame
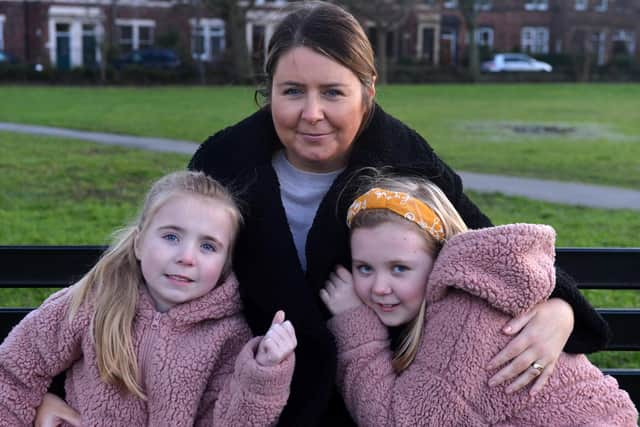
(450, 4)
(536, 5)
(75, 17)
(582, 4)
(2, 19)
(534, 40)
(210, 27)
(485, 30)
(601, 6)
(135, 25)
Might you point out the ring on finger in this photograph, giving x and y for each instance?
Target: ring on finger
(539, 367)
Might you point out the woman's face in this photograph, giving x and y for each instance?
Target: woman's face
(317, 107)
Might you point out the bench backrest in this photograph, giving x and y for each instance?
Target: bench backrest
(593, 268)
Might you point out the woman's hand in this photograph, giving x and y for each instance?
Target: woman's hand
(532, 354)
(278, 343)
(338, 293)
(53, 411)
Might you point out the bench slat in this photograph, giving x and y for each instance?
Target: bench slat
(601, 268)
(45, 266)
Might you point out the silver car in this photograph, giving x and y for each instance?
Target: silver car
(514, 62)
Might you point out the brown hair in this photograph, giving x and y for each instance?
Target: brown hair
(328, 30)
(432, 196)
(113, 283)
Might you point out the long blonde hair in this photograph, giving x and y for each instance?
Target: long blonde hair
(112, 285)
(431, 195)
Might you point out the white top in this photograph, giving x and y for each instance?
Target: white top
(301, 194)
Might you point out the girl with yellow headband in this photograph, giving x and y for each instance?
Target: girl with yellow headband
(449, 291)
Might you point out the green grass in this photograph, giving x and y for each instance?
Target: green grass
(57, 191)
(468, 125)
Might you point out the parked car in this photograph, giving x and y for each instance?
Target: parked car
(514, 62)
(7, 58)
(149, 58)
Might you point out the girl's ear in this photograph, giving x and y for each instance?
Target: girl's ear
(136, 244)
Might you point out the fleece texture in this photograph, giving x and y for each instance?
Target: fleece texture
(479, 281)
(197, 366)
(266, 260)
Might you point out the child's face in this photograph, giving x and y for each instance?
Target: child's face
(183, 250)
(391, 266)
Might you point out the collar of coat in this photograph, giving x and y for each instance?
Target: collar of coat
(221, 302)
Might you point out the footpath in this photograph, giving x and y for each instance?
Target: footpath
(567, 193)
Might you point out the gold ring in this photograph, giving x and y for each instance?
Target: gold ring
(538, 367)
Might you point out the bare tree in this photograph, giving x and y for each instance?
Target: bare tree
(234, 13)
(386, 16)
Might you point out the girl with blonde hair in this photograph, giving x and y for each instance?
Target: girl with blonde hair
(153, 333)
(415, 266)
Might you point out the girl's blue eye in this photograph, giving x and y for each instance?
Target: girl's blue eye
(363, 269)
(208, 247)
(400, 268)
(170, 237)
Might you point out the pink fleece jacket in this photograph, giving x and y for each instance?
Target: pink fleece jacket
(197, 366)
(480, 280)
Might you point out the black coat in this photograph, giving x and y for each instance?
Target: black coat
(266, 261)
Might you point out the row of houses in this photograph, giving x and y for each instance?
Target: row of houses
(69, 33)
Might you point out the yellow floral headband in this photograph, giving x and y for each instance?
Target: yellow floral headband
(402, 204)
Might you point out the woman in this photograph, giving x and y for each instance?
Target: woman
(291, 161)
(293, 158)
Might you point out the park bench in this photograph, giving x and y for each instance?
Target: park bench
(593, 268)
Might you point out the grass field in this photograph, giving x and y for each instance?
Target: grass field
(57, 191)
(472, 127)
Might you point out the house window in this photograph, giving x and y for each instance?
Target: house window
(429, 2)
(536, 5)
(624, 42)
(2, 18)
(600, 6)
(207, 39)
(581, 4)
(135, 34)
(484, 37)
(535, 39)
(450, 4)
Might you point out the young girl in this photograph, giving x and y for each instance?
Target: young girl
(414, 264)
(153, 334)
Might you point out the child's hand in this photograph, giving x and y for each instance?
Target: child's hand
(338, 293)
(278, 343)
(53, 412)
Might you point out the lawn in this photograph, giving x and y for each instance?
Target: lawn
(590, 133)
(57, 191)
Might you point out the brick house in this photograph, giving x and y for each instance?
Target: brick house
(67, 33)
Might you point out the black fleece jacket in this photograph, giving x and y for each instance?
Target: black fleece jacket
(267, 265)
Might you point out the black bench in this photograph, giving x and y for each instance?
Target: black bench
(593, 268)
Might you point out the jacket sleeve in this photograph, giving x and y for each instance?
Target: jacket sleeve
(243, 393)
(42, 345)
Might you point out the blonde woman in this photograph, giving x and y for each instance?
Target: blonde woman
(153, 334)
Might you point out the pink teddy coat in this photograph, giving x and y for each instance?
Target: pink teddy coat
(479, 281)
(197, 366)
